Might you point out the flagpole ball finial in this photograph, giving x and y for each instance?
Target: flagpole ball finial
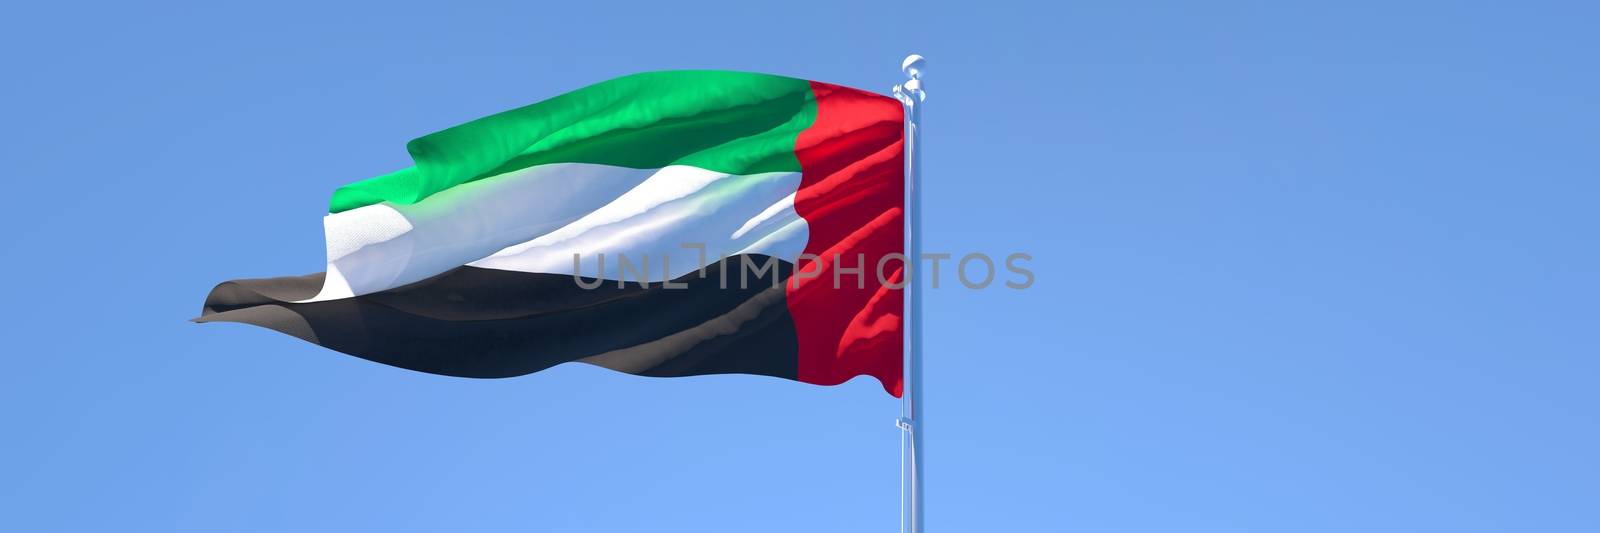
(911, 91)
(913, 66)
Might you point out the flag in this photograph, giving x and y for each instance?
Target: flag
(669, 223)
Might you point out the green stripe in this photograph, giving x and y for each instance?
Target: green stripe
(733, 122)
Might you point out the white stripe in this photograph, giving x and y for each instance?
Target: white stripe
(664, 222)
(535, 219)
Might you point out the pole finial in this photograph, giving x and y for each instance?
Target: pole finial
(913, 66)
(911, 91)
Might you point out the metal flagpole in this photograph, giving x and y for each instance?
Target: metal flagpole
(911, 96)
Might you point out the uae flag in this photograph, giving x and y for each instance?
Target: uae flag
(663, 224)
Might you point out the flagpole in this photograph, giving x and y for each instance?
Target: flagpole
(911, 96)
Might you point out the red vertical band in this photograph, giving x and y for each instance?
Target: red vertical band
(848, 317)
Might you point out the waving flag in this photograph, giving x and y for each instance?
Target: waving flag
(663, 224)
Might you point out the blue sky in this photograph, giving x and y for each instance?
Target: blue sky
(1299, 268)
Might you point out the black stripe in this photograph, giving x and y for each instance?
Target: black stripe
(486, 323)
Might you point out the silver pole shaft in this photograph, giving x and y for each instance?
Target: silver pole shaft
(911, 421)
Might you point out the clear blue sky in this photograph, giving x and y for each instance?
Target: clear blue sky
(1300, 268)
